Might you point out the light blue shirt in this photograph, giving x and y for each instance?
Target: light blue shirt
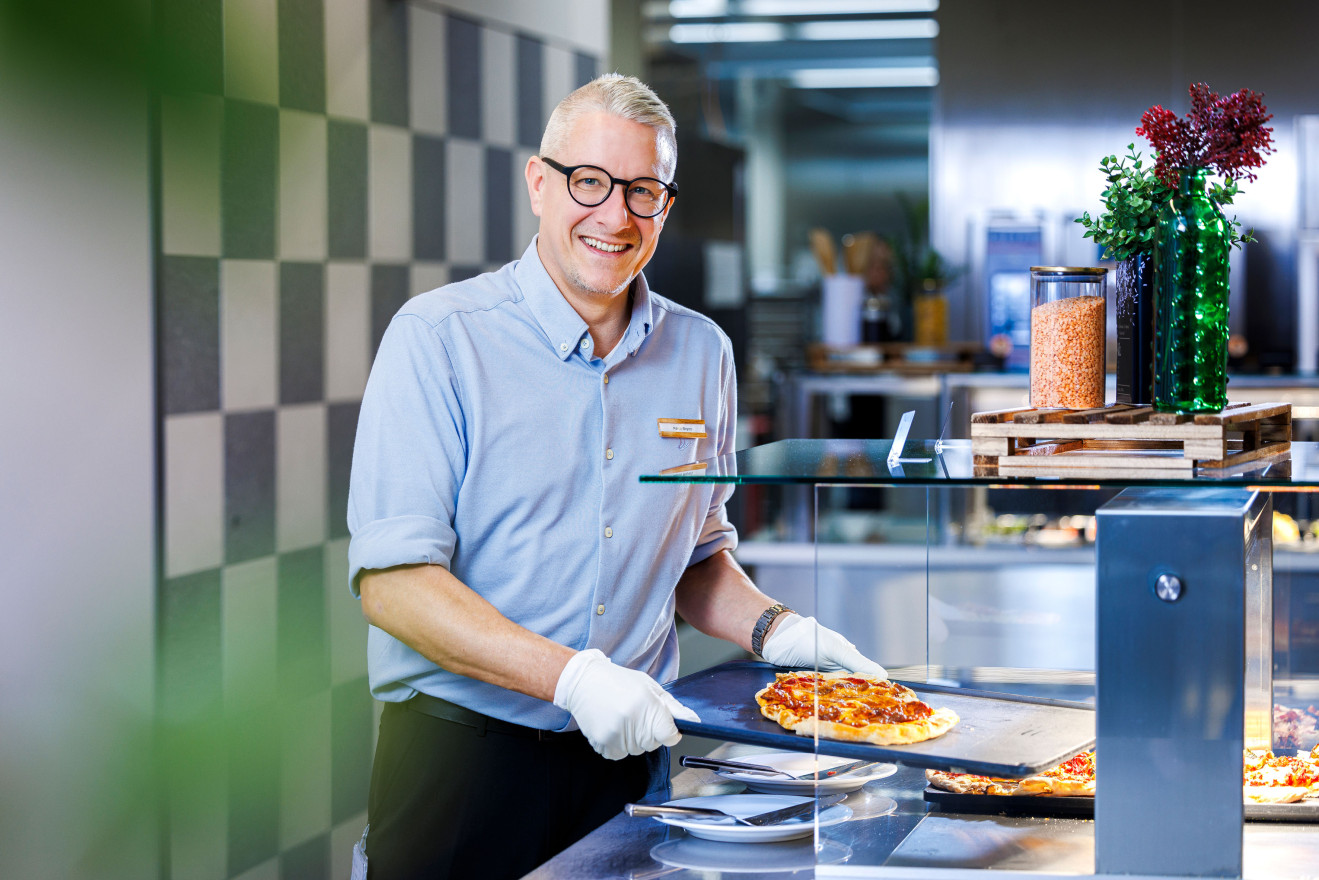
(495, 441)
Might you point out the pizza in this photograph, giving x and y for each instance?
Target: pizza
(852, 707)
(1266, 779)
(1280, 779)
(1074, 777)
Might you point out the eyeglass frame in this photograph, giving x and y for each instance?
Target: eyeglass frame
(567, 172)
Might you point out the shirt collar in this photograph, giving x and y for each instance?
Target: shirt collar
(562, 325)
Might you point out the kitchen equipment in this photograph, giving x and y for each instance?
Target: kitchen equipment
(998, 735)
(804, 807)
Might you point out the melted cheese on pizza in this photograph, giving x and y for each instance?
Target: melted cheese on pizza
(1266, 768)
(855, 702)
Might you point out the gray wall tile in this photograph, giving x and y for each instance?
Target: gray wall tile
(249, 485)
(587, 68)
(253, 787)
(429, 69)
(347, 330)
(498, 87)
(190, 127)
(389, 291)
(190, 333)
(389, 196)
(530, 73)
(193, 680)
(464, 77)
(347, 59)
(249, 322)
(302, 55)
(194, 492)
(304, 766)
(301, 332)
(350, 748)
(463, 272)
(346, 197)
(303, 185)
(301, 469)
(310, 859)
(248, 601)
(464, 201)
(192, 46)
(301, 646)
(427, 197)
(249, 180)
(389, 62)
(342, 431)
(498, 205)
(251, 51)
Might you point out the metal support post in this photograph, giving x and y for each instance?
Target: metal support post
(1184, 675)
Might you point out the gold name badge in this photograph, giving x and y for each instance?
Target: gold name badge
(684, 428)
(683, 468)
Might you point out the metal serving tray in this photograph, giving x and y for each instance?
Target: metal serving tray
(998, 734)
(1084, 807)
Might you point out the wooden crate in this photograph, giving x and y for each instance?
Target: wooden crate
(1128, 438)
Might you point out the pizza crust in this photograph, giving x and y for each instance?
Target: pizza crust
(1273, 794)
(1035, 786)
(939, 722)
(879, 734)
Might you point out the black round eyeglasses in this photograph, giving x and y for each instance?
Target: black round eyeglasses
(590, 186)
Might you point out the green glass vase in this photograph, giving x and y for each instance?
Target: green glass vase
(1190, 300)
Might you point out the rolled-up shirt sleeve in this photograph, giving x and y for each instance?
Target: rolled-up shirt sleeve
(717, 532)
(408, 456)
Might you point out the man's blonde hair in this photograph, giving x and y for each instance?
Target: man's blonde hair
(623, 96)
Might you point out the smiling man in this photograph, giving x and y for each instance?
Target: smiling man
(520, 582)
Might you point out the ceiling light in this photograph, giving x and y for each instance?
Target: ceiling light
(865, 77)
(731, 32)
(895, 29)
(719, 8)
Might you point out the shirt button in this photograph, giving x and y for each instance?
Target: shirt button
(585, 342)
(563, 346)
(606, 378)
(609, 454)
(609, 533)
(599, 609)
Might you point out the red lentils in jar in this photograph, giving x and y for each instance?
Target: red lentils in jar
(1067, 328)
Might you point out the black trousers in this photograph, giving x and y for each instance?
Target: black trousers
(449, 800)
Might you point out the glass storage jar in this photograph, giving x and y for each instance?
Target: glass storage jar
(1067, 329)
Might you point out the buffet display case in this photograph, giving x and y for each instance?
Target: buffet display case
(1156, 623)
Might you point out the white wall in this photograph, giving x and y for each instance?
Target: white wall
(76, 478)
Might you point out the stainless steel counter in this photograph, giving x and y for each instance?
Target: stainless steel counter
(904, 843)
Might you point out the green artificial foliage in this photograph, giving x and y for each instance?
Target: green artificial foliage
(1127, 225)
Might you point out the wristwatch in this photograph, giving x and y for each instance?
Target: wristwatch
(763, 624)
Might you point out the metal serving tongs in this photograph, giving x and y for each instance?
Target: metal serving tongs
(717, 764)
(702, 763)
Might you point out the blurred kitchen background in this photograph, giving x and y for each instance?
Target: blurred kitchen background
(210, 208)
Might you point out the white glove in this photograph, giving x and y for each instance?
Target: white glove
(798, 642)
(621, 711)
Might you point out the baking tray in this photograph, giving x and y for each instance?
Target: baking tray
(998, 734)
(1084, 807)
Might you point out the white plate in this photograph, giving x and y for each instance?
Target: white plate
(751, 805)
(798, 763)
(734, 858)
